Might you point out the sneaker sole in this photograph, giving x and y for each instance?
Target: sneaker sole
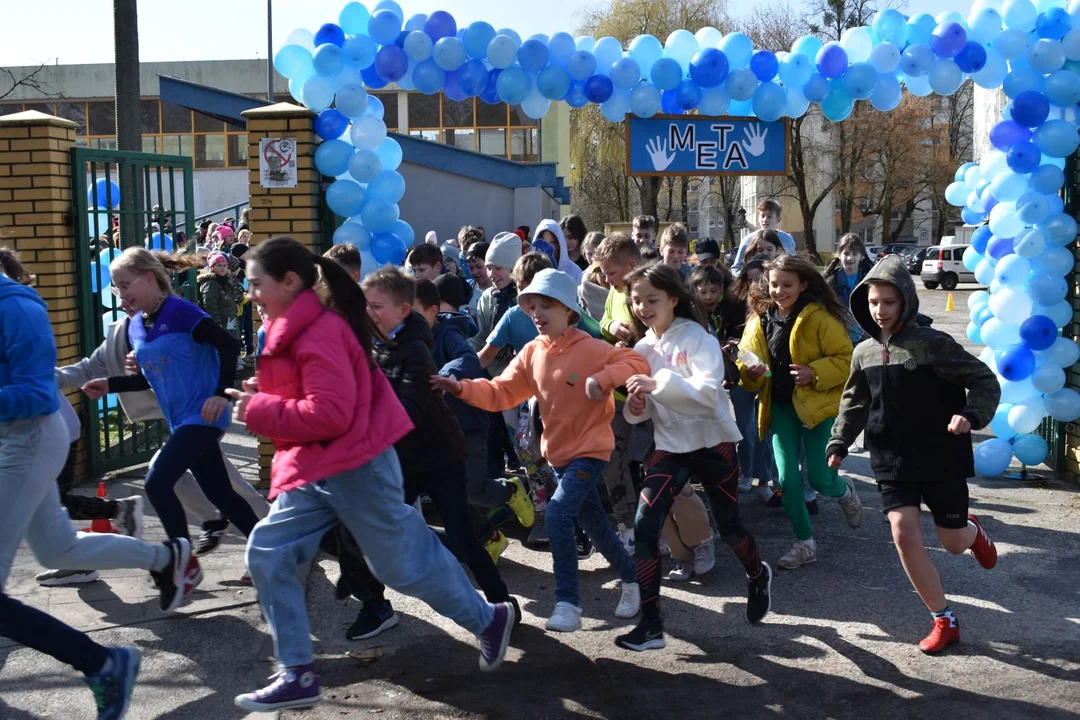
(768, 593)
(255, 706)
(553, 628)
(980, 531)
(527, 514)
(504, 642)
(181, 558)
(652, 644)
(386, 625)
(796, 567)
(858, 501)
(704, 571)
(70, 580)
(137, 517)
(941, 650)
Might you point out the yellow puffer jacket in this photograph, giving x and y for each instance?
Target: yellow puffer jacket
(819, 341)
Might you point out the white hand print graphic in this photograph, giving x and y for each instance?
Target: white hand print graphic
(658, 153)
(755, 140)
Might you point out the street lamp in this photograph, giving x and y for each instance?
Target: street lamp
(270, 51)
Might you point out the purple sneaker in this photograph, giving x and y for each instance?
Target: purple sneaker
(494, 639)
(293, 687)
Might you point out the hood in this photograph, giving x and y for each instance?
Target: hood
(11, 289)
(679, 329)
(892, 270)
(565, 263)
(281, 332)
(415, 327)
(459, 321)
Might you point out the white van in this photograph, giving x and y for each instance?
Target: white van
(944, 266)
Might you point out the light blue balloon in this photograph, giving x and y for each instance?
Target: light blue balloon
(354, 18)
(582, 65)
(513, 85)
(973, 333)
(797, 104)
(1064, 353)
(607, 50)
(1019, 15)
(769, 102)
(795, 70)
(510, 33)
(1025, 417)
(388, 186)
(350, 233)
(328, 60)
(375, 107)
(667, 74)
(992, 457)
(1054, 260)
(553, 82)
(741, 84)
(1048, 378)
(391, 6)
(1012, 271)
(624, 73)
(993, 72)
(816, 88)
(345, 197)
(1000, 424)
(351, 100)
(1056, 138)
(418, 45)
(332, 157)
(890, 26)
(885, 57)
(449, 53)
(367, 131)
(378, 216)
(1063, 405)
(533, 55)
(971, 258)
(1032, 207)
(294, 62)
(1008, 187)
(738, 48)
(502, 52)
(477, 38)
(1029, 243)
(585, 43)
(1046, 56)
(317, 93)
(807, 45)
(428, 77)
(645, 100)
(1062, 88)
(984, 275)
(389, 152)
(714, 101)
(945, 77)
(384, 26)
(861, 80)
(1030, 449)
(404, 231)
(615, 108)
(984, 25)
(560, 48)
(645, 51)
(838, 105)
(1059, 229)
(920, 28)
(361, 51)
(365, 166)
(1044, 288)
(917, 60)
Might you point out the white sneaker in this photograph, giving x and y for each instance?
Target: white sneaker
(626, 537)
(851, 504)
(704, 557)
(764, 491)
(803, 552)
(746, 484)
(683, 571)
(665, 549)
(855, 448)
(566, 618)
(54, 578)
(630, 602)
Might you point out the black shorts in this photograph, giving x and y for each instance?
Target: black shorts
(947, 500)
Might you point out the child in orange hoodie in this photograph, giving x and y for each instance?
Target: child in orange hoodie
(572, 375)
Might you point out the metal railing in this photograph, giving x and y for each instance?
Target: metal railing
(229, 211)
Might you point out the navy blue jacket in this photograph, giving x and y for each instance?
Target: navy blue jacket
(456, 358)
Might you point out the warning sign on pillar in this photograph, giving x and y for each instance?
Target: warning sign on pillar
(277, 162)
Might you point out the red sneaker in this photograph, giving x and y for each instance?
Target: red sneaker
(192, 577)
(943, 634)
(983, 548)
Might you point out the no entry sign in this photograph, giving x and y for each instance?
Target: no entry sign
(277, 162)
(681, 145)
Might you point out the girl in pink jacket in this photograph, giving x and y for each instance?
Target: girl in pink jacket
(334, 420)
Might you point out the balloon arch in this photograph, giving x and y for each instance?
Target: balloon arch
(1021, 251)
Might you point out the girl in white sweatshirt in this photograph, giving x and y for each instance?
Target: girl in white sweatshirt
(695, 439)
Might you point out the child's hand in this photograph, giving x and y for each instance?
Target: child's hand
(213, 407)
(835, 460)
(448, 384)
(95, 389)
(802, 374)
(959, 425)
(635, 403)
(241, 398)
(640, 384)
(755, 372)
(131, 364)
(622, 331)
(593, 389)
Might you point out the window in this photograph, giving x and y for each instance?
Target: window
(429, 135)
(390, 110)
(523, 145)
(151, 120)
(462, 139)
(102, 120)
(149, 143)
(75, 112)
(177, 145)
(205, 123)
(932, 254)
(46, 108)
(491, 115)
(423, 111)
(519, 119)
(493, 142)
(946, 254)
(209, 151)
(238, 153)
(457, 114)
(175, 119)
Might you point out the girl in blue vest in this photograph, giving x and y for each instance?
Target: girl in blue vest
(189, 361)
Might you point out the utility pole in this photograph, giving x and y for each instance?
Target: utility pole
(270, 51)
(127, 114)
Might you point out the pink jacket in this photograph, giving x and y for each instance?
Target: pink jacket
(325, 404)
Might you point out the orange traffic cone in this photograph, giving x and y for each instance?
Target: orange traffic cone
(101, 525)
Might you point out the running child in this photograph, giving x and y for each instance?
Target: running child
(918, 394)
(334, 419)
(572, 377)
(695, 440)
(769, 218)
(797, 353)
(846, 271)
(425, 262)
(674, 248)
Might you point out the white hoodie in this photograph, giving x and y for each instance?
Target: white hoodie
(689, 407)
(567, 265)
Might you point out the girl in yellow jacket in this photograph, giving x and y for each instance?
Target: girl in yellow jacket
(796, 350)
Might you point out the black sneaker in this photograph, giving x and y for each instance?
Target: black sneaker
(758, 597)
(210, 538)
(517, 610)
(173, 578)
(585, 548)
(648, 635)
(811, 507)
(374, 618)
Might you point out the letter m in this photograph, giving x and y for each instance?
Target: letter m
(682, 140)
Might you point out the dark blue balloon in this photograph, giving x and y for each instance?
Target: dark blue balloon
(598, 89)
(440, 24)
(708, 67)
(687, 95)
(1053, 24)
(1015, 362)
(970, 217)
(668, 104)
(372, 79)
(575, 96)
(980, 238)
(1008, 133)
(999, 247)
(1030, 108)
(764, 64)
(972, 58)
(330, 124)
(453, 89)
(816, 88)
(491, 93)
(400, 42)
(391, 63)
(473, 78)
(533, 55)
(1038, 332)
(1024, 157)
(330, 33)
(388, 248)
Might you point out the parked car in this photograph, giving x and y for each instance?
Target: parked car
(915, 259)
(874, 253)
(895, 248)
(943, 265)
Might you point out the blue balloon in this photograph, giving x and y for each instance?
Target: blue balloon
(668, 105)
(769, 101)
(1014, 362)
(1023, 157)
(449, 53)
(1046, 56)
(646, 50)
(502, 51)
(532, 55)
(948, 40)
(1047, 179)
(389, 153)
(980, 238)
(886, 95)
(624, 74)
(1000, 424)
(106, 192)
(388, 186)
(885, 57)
(1047, 289)
(831, 60)
(1056, 138)
(360, 51)
(741, 84)
(514, 85)
(560, 47)
(999, 247)
(391, 6)
(1008, 133)
(920, 29)
(972, 58)
(763, 63)
(159, 241)
(1030, 108)
(687, 95)
(330, 33)
(666, 74)
(1030, 449)
(860, 80)
(351, 233)
(317, 93)
(709, 67)
(351, 100)
(599, 89)
(418, 46)
(738, 48)
(428, 77)
(332, 157)
(372, 80)
(100, 276)
(364, 166)
(807, 46)
(294, 62)
(1011, 43)
(330, 124)
(391, 62)
(353, 19)
(473, 77)
(328, 60)
(553, 82)
(378, 216)
(1063, 405)
(916, 60)
(440, 24)
(645, 100)
(345, 197)
(1062, 88)
(890, 26)
(575, 96)
(581, 65)
(838, 105)
(1054, 23)
(490, 95)
(816, 88)
(384, 27)
(404, 231)
(388, 248)
(1038, 332)
(992, 457)
(477, 38)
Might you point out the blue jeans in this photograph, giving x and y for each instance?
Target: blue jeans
(577, 497)
(400, 549)
(755, 456)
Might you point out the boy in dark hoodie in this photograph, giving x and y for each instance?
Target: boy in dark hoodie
(432, 456)
(907, 389)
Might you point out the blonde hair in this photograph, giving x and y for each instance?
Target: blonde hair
(243, 237)
(137, 260)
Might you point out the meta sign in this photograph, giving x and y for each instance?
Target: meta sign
(691, 145)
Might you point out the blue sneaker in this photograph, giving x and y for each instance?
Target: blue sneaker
(294, 687)
(112, 690)
(496, 637)
(374, 618)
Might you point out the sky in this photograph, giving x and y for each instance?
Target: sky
(80, 31)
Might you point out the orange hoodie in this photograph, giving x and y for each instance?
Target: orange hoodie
(555, 372)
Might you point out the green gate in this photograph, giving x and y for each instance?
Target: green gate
(157, 189)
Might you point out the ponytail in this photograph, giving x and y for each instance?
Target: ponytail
(137, 261)
(11, 267)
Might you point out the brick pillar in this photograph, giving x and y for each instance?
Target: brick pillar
(35, 220)
(283, 211)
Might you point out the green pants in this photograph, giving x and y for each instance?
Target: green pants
(787, 431)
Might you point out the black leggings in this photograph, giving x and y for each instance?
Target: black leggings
(31, 627)
(195, 448)
(717, 469)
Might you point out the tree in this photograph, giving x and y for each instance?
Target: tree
(10, 82)
(953, 118)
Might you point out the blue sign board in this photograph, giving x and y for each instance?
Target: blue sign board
(693, 145)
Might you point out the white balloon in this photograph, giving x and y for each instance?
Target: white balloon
(1026, 416)
(1048, 378)
(1010, 306)
(997, 334)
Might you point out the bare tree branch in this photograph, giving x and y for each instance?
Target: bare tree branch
(10, 82)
